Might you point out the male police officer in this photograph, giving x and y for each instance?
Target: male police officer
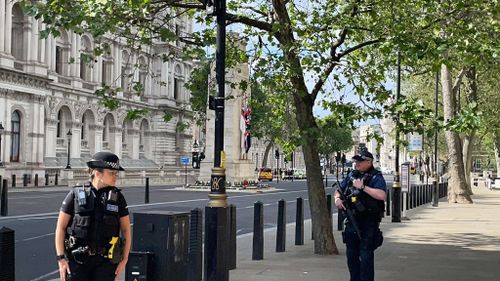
(87, 240)
(365, 188)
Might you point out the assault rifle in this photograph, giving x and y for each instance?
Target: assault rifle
(348, 209)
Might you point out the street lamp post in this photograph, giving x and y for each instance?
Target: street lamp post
(69, 135)
(435, 194)
(216, 213)
(396, 186)
(1, 133)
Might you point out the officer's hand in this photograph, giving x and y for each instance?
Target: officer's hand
(63, 269)
(339, 203)
(357, 183)
(119, 269)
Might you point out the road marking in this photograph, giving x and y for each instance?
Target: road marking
(45, 275)
(35, 237)
(47, 215)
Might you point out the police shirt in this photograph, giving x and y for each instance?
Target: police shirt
(68, 205)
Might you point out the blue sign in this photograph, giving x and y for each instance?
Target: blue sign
(184, 160)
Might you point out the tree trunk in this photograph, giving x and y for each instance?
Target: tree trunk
(457, 188)
(324, 243)
(266, 155)
(469, 139)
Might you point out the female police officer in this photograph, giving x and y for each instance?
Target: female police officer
(88, 246)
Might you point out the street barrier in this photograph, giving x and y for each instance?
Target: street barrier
(299, 222)
(195, 245)
(36, 180)
(146, 192)
(281, 227)
(56, 179)
(7, 254)
(231, 262)
(258, 231)
(46, 179)
(4, 210)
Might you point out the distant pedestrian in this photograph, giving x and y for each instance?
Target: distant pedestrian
(87, 239)
(365, 188)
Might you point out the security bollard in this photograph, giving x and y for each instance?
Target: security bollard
(195, 245)
(281, 229)
(4, 210)
(56, 179)
(46, 179)
(7, 254)
(231, 262)
(299, 222)
(258, 231)
(388, 202)
(13, 180)
(25, 180)
(146, 193)
(36, 180)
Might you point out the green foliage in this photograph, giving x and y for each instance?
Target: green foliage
(135, 114)
(198, 87)
(333, 136)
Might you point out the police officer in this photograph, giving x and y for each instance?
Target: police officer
(87, 238)
(365, 188)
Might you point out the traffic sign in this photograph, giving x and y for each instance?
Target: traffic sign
(184, 160)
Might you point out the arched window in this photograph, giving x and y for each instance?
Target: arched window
(15, 148)
(17, 41)
(62, 54)
(85, 60)
(177, 83)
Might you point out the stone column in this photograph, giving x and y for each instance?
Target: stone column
(76, 130)
(51, 137)
(2, 23)
(8, 26)
(29, 43)
(42, 44)
(117, 62)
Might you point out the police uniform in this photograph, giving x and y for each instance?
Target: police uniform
(92, 243)
(367, 213)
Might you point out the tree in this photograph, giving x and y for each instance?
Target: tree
(334, 138)
(303, 49)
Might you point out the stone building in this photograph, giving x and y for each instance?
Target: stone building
(48, 105)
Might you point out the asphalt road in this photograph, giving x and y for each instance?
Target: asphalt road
(33, 214)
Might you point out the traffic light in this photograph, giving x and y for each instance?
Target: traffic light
(195, 161)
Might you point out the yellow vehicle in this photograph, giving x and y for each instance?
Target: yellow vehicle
(265, 174)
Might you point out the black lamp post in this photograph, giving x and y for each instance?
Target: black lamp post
(396, 186)
(1, 133)
(69, 135)
(216, 213)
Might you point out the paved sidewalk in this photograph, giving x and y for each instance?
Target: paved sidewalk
(449, 243)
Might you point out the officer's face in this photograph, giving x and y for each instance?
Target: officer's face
(363, 166)
(108, 177)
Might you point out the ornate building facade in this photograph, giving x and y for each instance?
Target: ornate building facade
(48, 106)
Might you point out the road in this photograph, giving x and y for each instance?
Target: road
(32, 214)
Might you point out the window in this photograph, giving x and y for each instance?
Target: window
(16, 136)
(59, 60)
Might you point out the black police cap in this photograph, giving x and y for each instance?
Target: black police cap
(105, 160)
(363, 155)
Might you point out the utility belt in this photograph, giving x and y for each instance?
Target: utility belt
(79, 253)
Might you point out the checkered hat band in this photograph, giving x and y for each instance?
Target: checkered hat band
(112, 164)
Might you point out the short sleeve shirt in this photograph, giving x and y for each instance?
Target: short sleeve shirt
(68, 205)
(377, 181)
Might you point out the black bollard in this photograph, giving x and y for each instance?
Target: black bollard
(388, 202)
(25, 180)
(329, 204)
(195, 246)
(231, 262)
(258, 231)
(46, 179)
(4, 210)
(7, 254)
(281, 229)
(36, 179)
(56, 179)
(340, 220)
(299, 222)
(13, 180)
(146, 193)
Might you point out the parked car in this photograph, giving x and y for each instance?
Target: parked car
(299, 173)
(265, 174)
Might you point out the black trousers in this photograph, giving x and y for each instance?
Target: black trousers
(91, 268)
